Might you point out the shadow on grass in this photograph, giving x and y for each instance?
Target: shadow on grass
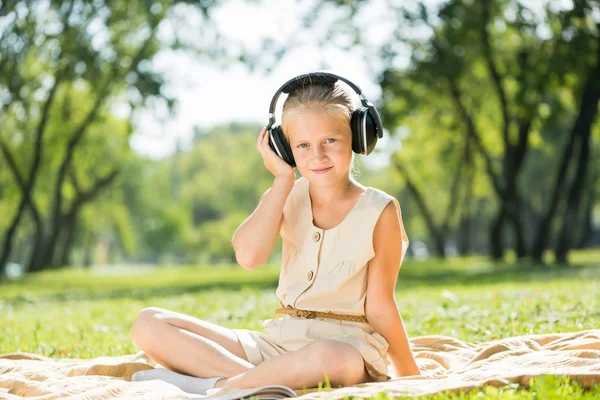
(139, 293)
(414, 277)
(496, 274)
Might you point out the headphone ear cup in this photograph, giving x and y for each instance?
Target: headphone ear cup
(280, 145)
(364, 135)
(355, 127)
(371, 134)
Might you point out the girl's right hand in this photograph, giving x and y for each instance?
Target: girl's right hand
(273, 162)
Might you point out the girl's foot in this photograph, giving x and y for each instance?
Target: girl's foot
(189, 384)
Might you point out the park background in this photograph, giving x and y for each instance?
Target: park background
(128, 159)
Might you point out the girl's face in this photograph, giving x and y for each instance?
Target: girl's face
(322, 146)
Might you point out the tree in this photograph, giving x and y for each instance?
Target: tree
(64, 65)
(507, 69)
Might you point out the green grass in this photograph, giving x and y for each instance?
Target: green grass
(88, 313)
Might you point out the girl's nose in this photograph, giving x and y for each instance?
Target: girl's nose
(319, 152)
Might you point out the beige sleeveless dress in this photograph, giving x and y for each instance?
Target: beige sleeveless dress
(323, 270)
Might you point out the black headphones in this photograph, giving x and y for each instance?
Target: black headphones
(365, 122)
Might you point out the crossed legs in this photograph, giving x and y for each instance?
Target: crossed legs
(190, 346)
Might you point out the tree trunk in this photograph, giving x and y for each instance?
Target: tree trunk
(56, 213)
(579, 134)
(464, 233)
(35, 264)
(587, 235)
(587, 232)
(568, 232)
(27, 185)
(515, 158)
(516, 221)
(9, 237)
(47, 254)
(466, 222)
(436, 235)
(545, 227)
(88, 246)
(496, 239)
(68, 240)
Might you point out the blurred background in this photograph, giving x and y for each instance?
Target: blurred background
(128, 128)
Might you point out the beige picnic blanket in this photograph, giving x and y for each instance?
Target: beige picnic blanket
(446, 363)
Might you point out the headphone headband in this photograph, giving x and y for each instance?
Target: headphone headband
(320, 77)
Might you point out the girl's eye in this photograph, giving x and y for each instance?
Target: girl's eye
(302, 145)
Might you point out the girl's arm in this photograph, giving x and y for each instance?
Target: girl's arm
(390, 243)
(254, 239)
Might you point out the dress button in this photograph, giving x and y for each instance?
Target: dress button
(310, 275)
(316, 236)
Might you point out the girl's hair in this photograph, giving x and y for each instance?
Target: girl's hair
(331, 100)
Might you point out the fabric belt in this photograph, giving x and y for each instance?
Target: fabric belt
(289, 310)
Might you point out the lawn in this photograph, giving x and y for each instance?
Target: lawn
(88, 313)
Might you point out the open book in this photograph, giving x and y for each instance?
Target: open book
(270, 392)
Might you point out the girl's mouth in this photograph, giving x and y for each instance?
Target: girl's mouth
(321, 171)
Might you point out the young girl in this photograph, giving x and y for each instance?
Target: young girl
(343, 244)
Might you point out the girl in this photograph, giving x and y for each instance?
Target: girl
(338, 235)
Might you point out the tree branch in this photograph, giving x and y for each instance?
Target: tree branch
(75, 182)
(88, 195)
(472, 130)
(37, 157)
(520, 150)
(496, 77)
(13, 165)
(454, 189)
(80, 130)
(436, 234)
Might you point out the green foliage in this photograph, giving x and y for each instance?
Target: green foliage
(465, 59)
(184, 208)
(68, 69)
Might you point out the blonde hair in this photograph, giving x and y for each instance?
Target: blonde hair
(332, 100)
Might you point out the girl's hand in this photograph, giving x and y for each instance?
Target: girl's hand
(273, 162)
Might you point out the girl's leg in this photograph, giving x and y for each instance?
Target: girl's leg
(306, 367)
(189, 345)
